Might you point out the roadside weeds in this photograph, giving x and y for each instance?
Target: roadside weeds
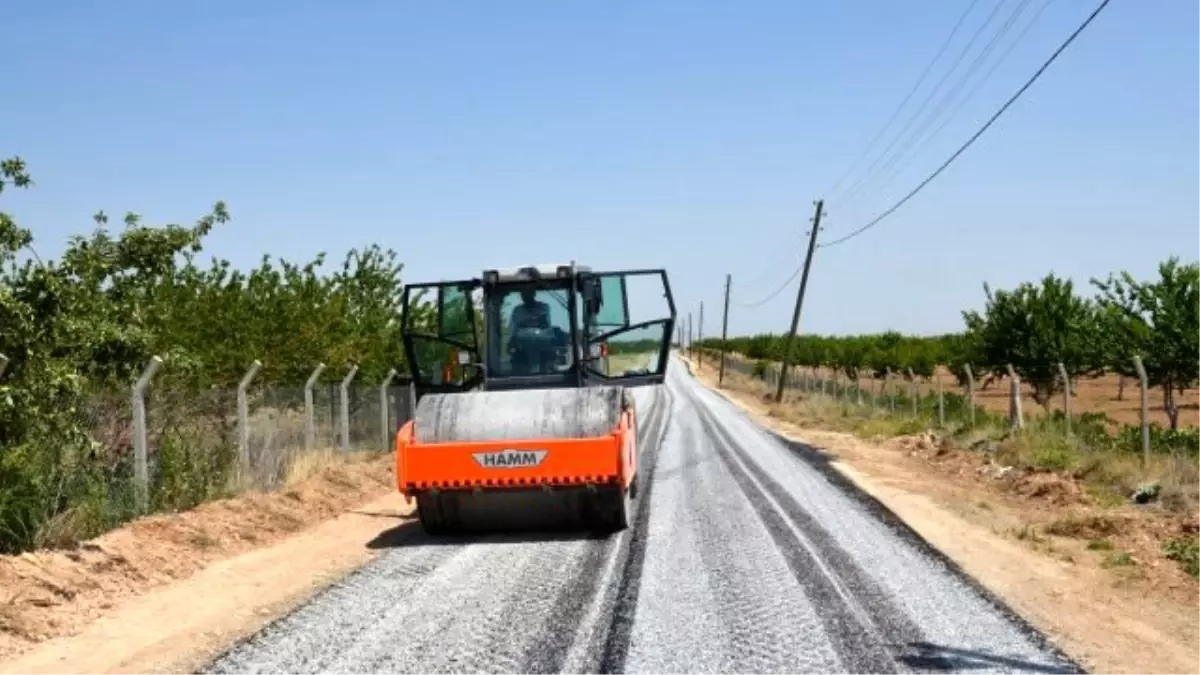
(1050, 531)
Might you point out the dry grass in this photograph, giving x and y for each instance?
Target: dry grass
(619, 363)
(1076, 494)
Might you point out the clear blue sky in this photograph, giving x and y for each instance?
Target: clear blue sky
(689, 135)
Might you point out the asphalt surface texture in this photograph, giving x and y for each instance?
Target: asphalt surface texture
(746, 554)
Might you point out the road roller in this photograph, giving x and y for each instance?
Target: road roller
(524, 416)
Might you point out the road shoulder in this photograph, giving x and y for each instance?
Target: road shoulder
(1106, 621)
(169, 593)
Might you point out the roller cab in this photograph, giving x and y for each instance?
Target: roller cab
(524, 415)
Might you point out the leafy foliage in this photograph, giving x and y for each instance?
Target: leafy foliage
(87, 323)
(1033, 328)
(1156, 320)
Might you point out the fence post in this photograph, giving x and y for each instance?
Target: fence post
(1143, 386)
(970, 394)
(310, 413)
(141, 473)
(3, 364)
(937, 375)
(912, 390)
(243, 418)
(412, 400)
(384, 436)
(1014, 398)
(345, 404)
(1062, 373)
(887, 387)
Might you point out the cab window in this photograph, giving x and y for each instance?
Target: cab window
(533, 333)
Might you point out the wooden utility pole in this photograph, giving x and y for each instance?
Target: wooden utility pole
(724, 330)
(700, 338)
(690, 347)
(787, 347)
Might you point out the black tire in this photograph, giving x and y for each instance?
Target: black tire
(429, 511)
(610, 510)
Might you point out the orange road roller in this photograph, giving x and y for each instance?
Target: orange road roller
(524, 418)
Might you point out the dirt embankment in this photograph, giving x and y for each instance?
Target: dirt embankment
(167, 591)
(1091, 575)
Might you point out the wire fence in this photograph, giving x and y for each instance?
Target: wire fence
(163, 446)
(940, 402)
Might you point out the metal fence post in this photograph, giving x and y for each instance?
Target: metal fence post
(412, 400)
(887, 387)
(310, 413)
(912, 391)
(141, 473)
(345, 403)
(1062, 372)
(384, 436)
(243, 417)
(941, 398)
(3, 364)
(970, 393)
(1014, 398)
(1144, 386)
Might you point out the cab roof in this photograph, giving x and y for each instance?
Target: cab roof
(531, 272)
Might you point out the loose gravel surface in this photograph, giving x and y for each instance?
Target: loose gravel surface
(747, 554)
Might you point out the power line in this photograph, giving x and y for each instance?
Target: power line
(943, 104)
(774, 293)
(924, 104)
(972, 139)
(970, 94)
(766, 268)
(904, 102)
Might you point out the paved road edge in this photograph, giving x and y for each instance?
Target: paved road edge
(889, 506)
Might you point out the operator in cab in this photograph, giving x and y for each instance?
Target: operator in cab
(531, 313)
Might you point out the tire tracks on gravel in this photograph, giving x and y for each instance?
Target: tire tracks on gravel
(505, 602)
(892, 591)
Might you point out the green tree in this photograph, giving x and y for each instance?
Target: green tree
(1158, 321)
(87, 323)
(1034, 327)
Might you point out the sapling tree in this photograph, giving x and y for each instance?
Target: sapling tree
(1159, 321)
(1035, 327)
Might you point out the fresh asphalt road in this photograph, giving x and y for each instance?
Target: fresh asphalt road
(747, 555)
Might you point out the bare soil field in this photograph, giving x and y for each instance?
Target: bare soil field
(1089, 573)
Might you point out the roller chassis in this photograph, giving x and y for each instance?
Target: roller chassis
(568, 479)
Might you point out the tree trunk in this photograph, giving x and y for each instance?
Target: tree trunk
(1042, 393)
(1170, 407)
(1121, 388)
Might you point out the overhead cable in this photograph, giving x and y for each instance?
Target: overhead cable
(937, 172)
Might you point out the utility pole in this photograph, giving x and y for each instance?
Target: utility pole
(787, 347)
(690, 346)
(700, 338)
(724, 330)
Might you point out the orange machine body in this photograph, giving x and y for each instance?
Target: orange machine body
(517, 464)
